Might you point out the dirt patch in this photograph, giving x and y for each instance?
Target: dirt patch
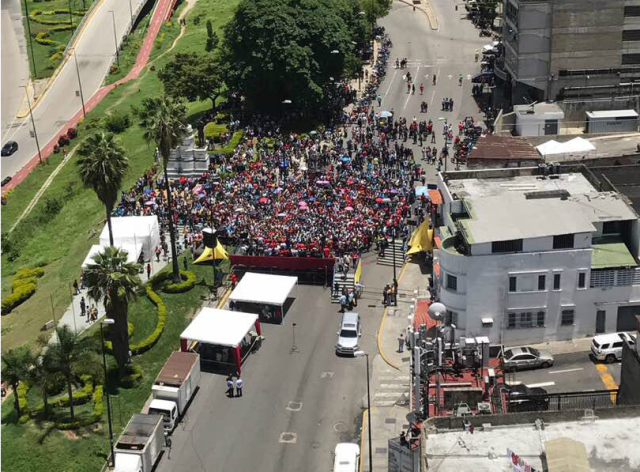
(70, 435)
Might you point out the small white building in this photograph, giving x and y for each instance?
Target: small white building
(539, 119)
(188, 160)
(532, 258)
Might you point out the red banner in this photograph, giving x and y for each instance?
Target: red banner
(283, 263)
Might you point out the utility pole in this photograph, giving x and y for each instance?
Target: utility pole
(33, 123)
(84, 111)
(33, 60)
(70, 14)
(115, 36)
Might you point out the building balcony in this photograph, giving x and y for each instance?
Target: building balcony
(452, 260)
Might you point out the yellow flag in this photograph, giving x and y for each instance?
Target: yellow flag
(358, 274)
(208, 254)
(421, 239)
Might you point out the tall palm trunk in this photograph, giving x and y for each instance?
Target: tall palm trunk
(70, 393)
(16, 401)
(109, 225)
(172, 235)
(119, 334)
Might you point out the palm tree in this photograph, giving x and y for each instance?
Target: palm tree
(102, 167)
(115, 281)
(16, 364)
(68, 353)
(45, 373)
(163, 121)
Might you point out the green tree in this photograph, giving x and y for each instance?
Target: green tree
(69, 352)
(116, 282)
(16, 364)
(163, 122)
(102, 166)
(194, 77)
(278, 50)
(212, 38)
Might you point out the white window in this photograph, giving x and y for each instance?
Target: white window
(525, 319)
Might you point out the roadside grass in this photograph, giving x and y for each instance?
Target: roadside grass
(36, 446)
(60, 242)
(45, 56)
(129, 50)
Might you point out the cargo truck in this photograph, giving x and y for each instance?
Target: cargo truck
(140, 445)
(175, 385)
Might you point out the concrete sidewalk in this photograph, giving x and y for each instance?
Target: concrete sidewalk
(391, 373)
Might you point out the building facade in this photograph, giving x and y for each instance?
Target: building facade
(530, 258)
(563, 49)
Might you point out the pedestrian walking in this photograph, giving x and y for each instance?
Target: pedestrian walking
(76, 291)
(230, 386)
(238, 387)
(343, 303)
(336, 289)
(148, 270)
(158, 252)
(401, 343)
(83, 307)
(385, 295)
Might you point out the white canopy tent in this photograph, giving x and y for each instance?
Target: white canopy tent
(134, 233)
(263, 288)
(221, 328)
(575, 147)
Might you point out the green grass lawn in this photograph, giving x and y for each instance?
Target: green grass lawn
(129, 50)
(48, 56)
(34, 446)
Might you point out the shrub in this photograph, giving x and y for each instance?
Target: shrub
(62, 28)
(117, 122)
(215, 131)
(181, 287)
(229, 148)
(29, 273)
(80, 397)
(45, 42)
(98, 406)
(132, 377)
(22, 293)
(23, 387)
(52, 206)
(72, 133)
(56, 57)
(152, 339)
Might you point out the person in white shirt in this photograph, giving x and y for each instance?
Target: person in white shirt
(238, 387)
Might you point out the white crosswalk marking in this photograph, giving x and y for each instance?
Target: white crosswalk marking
(392, 389)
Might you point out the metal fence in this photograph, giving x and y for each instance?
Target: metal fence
(560, 401)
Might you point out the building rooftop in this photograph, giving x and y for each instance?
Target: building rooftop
(528, 206)
(493, 147)
(611, 445)
(613, 114)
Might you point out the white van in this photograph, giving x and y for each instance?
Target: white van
(347, 457)
(608, 347)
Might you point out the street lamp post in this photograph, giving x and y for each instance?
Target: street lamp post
(33, 123)
(75, 58)
(364, 354)
(107, 321)
(131, 13)
(33, 59)
(115, 37)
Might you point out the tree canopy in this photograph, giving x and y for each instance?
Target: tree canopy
(277, 50)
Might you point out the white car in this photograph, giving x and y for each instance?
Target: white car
(347, 457)
(608, 347)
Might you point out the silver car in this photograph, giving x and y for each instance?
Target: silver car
(349, 334)
(519, 358)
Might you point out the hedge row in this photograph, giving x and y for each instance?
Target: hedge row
(152, 339)
(231, 147)
(96, 415)
(189, 281)
(22, 401)
(23, 287)
(215, 130)
(80, 397)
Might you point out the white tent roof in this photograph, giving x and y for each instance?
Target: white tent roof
(575, 146)
(133, 252)
(139, 231)
(263, 288)
(219, 327)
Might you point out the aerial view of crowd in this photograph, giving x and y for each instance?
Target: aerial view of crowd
(322, 194)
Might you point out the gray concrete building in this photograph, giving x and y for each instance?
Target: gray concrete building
(570, 49)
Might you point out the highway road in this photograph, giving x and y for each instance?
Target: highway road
(15, 70)
(95, 50)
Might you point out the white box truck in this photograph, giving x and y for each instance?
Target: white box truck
(175, 385)
(140, 445)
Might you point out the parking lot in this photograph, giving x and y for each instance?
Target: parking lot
(570, 373)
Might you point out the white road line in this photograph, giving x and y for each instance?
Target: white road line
(433, 95)
(542, 384)
(391, 83)
(407, 102)
(565, 370)
(387, 395)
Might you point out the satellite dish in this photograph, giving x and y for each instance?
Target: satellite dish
(437, 311)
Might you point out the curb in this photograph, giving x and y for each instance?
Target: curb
(428, 10)
(384, 318)
(362, 428)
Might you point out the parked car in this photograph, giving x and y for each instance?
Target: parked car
(519, 358)
(9, 148)
(349, 334)
(608, 347)
(5, 181)
(523, 398)
(347, 457)
(488, 77)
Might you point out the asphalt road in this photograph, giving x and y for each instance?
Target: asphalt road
(244, 434)
(95, 50)
(15, 70)
(570, 373)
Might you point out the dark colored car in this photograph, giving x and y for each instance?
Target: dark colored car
(523, 398)
(9, 148)
(487, 76)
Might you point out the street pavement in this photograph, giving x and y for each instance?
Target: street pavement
(95, 50)
(15, 69)
(296, 406)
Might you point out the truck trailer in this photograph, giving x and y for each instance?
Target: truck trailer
(140, 445)
(174, 387)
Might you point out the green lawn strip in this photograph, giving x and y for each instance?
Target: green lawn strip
(48, 56)
(129, 49)
(55, 451)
